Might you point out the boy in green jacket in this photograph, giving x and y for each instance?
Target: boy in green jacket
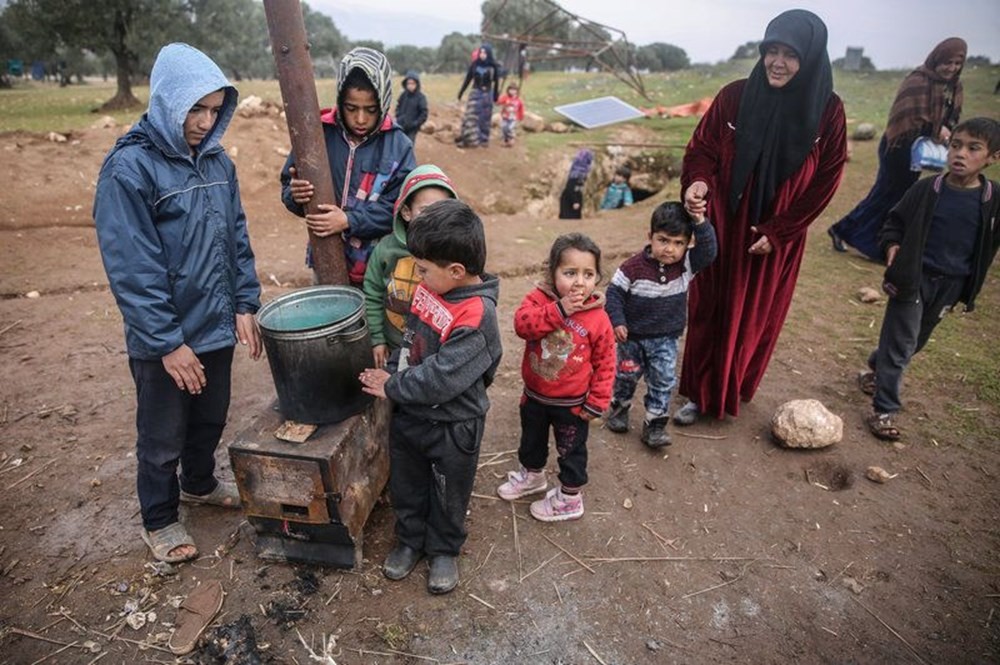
(390, 278)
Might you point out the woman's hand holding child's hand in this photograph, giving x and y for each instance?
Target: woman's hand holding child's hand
(695, 198)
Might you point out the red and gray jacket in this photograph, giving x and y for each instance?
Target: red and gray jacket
(568, 360)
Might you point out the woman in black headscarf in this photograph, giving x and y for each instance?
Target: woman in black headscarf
(484, 75)
(763, 163)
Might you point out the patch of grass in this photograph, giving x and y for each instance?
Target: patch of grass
(394, 635)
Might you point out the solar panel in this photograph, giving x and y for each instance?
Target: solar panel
(599, 112)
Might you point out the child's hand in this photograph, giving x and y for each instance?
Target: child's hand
(890, 255)
(695, 198)
(249, 334)
(331, 219)
(373, 381)
(697, 218)
(381, 355)
(621, 334)
(302, 190)
(185, 369)
(586, 416)
(572, 301)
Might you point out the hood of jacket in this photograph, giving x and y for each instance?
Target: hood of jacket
(181, 76)
(425, 175)
(411, 75)
(374, 65)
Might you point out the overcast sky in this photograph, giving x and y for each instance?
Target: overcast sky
(895, 34)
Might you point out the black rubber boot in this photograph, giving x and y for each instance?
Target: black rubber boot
(443, 575)
(618, 417)
(400, 562)
(654, 433)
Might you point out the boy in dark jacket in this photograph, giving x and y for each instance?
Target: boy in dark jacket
(174, 243)
(369, 155)
(939, 242)
(437, 382)
(411, 109)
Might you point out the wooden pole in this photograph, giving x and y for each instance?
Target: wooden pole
(298, 94)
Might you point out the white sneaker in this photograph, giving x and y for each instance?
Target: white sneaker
(558, 507)
(522, 483)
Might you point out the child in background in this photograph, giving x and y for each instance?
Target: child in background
(618, 194)
(369, 156)
(939, 242)
(568, 369)
(411, 109)
(571, 199)
(437, 382)
(511, 113)
(390, 278)
(647, 304)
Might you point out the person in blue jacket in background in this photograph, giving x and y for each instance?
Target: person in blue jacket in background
(174, 241)
(370, 157)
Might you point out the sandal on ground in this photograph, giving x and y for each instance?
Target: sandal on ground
(225, 494)
(883, 426)
(163, 541)
(194, 615)
(866, 382)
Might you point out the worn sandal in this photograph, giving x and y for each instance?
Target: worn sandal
(883, 427)
(866, 382)
(163, 541)
(194, 615)
(225, 494)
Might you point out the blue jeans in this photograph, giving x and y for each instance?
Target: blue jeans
(177, 428)
(654, 357)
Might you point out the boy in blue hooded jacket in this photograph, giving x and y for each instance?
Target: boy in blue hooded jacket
(369, 156)
(411, 109)
(173, 238)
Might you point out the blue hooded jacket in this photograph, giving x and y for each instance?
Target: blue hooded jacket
(170, 224)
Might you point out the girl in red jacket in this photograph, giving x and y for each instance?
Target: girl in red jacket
(568, 371)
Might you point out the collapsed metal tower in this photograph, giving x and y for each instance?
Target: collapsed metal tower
(601, 46)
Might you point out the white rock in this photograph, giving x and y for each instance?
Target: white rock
(864, 132)
(558, 127)
(105, 122)
(806, 423)
(868, 294)
(32, 295)
(56, 137)
(532, 122)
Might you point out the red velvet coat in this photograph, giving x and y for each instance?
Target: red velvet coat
(738, 304)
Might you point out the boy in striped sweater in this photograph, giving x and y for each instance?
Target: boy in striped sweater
(647, 305)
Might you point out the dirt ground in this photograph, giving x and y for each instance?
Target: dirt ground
(721, 548)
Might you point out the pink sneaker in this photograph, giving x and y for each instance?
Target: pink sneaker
(522, 483)
(558, 507)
